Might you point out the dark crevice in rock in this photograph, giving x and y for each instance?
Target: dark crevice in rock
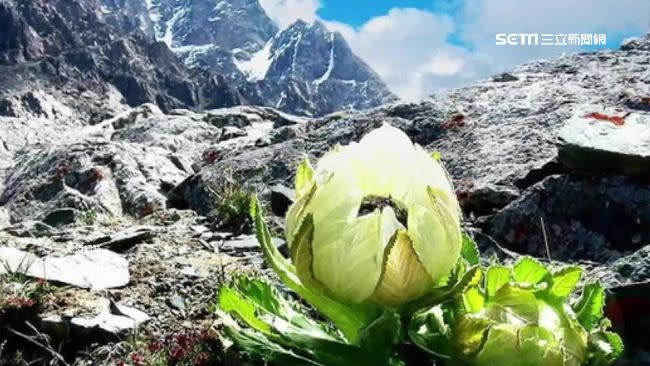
(537, 175)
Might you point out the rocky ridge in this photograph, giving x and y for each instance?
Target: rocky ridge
(62, 60)
(146, 185)
(303, 69)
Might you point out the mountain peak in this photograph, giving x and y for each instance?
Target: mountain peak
(301, 25)
(302, 69)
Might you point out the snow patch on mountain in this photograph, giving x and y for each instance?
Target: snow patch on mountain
(168, 38)
(330, 66)
(153, 12)
(258, 65)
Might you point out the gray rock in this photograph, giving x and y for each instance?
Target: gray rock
(96, 269)
(591, 142)
(232, 133)
(244, 245)
(638, 100)
(254, 168)
(595, 218)
(133, 115)
(123, 240)
(228, 120)
(627, 309)
(113, 323)
(4, 218)
(283, 134)
(634, 268)
(181, 137)
(636, 43)
(30, 229)
(177, 302)
(107, 178)
(504, 78)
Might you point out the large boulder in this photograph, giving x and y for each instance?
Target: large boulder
(599, 139)
(99, 176)
(584, 217)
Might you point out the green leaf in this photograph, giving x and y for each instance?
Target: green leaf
(514, 300)
(539, 346)
(589, 309)
(430, 331)
(280, 265)
(530, 271)
(442, 294)
(267, 299)
(304, 175)
(233, 302)
(473, 300)
(471, 333)
(262, 294)
(324, 351)
(470, 250)
(349, 318)
(258, 345)
(604, 348)
(382, 334)
(500, 348)
(565, 281)
(495, 278)
(282, 331)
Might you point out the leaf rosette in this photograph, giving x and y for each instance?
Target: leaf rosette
(521, 315)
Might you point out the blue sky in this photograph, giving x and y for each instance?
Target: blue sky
(363, 10)
(423, 47)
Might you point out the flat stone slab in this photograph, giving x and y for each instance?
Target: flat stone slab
(113, 322)
(598, 138)
(125, 239)
(97, 269)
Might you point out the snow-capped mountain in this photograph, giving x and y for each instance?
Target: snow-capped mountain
(63, 61)
(303, 69)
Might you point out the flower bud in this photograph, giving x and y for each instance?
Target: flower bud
(384, 222)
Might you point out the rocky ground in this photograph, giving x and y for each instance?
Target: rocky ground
(135, 220)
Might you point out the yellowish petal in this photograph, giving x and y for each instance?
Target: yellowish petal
(404, 278)
(436, 238)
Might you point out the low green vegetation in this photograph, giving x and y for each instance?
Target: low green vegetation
(232, 207)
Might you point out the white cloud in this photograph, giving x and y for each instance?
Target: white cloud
(480, 20)
(445, 65)
(410, 49)
(285, 12)
(405, 46)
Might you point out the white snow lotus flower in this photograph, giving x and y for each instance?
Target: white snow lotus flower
(384, 221)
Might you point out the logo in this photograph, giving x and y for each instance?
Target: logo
(551, 39)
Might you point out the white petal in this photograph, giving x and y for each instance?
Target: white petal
(349, 263)
(436, 239)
